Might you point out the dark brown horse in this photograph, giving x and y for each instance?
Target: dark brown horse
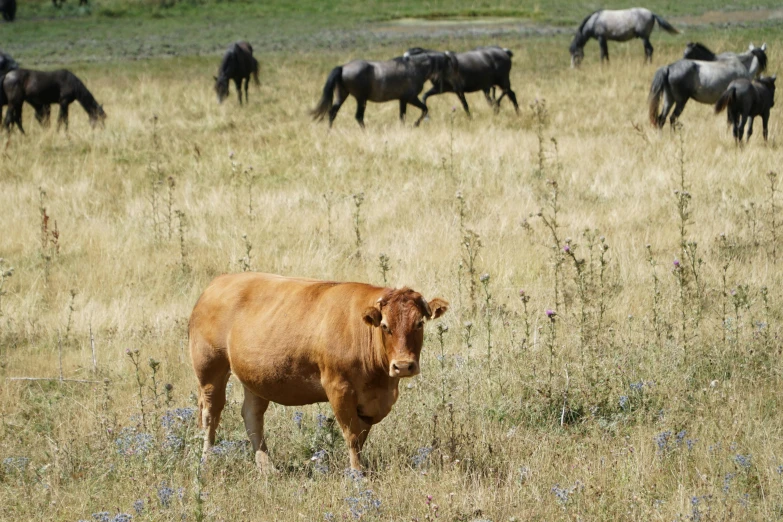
(480, 70)
(400, 79)
(745, 99)
(237, 64)
(43, 88)
(8, 9)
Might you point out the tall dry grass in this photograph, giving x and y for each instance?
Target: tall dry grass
(651, 394)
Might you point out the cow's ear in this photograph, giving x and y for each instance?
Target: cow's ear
(372, 316)
(438, 307)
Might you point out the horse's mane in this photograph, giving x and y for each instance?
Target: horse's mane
(584, 22)
(697, 51)
(761, 56)
(83, 94)
(767, 81)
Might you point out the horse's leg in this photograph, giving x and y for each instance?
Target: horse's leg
(750, 127)
(342, 95)
(648, 49)
(604, 48)
(63, 117)
(247, 84)
(416, 102)
(764, 122)
(678, 108)
(741, 129)
(461, 96)
(238, 83)
(403, 109)
(361, 104)
(486, 95)
(429, 93)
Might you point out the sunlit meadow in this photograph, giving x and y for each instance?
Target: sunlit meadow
(613, 345)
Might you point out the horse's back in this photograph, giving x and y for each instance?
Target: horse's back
(623, 24)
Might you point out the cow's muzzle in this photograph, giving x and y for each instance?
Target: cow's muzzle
(403, 368)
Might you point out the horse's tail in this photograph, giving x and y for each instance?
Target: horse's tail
(325, 103)
(255, 71)
(725, 100)
(659, 83)
(666, 26)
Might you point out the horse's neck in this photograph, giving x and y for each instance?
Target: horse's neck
(86, 99)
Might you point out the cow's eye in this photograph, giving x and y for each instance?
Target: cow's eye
(419, 325)
(385, 328)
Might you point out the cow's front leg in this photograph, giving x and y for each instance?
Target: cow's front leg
(344, 402)
(253, 410)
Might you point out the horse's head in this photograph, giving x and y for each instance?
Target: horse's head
(760, 53)
(98, 116)
(221, 88)
(577, 49)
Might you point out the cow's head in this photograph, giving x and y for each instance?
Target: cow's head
(400, 315)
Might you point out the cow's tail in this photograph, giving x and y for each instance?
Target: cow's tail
(666, 26)
(659, 84)
(325, 103)
(508, 52)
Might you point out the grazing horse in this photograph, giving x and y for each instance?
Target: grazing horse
(745, 98)
(8, 8)
(620, 26)
(703, 81)
(237, 64)
(479, 70)
(43, 88)
(401, 78)
(297, 341)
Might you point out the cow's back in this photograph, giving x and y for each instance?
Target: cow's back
(278, 334)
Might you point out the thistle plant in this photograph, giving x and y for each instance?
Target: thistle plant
(549, 218)
(471, 243)
(328, 199)
(156, 179)
(441, 330)
(5, 273)
(358, 199)
(488, 316)
(250, 178)
(246, 261)
(467, 335)
(383, 265)
(525, 316)
(540, 121)
(71, 308)
(551, 343)
(169, 211)
(656, 306)
(773, 213)
(183, 253)
(135, 357)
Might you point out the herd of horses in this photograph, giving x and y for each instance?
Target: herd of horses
(730, 81)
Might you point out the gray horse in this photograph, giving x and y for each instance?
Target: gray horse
(703, 81)
(619, 26)
(480, 70)
(401, 78)
(745, 98)
(699, 51)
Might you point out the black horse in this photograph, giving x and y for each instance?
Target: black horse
(400, 78)
(479, 70)
(745, 99)
(8, 8)
(238, 64)
(41, 89)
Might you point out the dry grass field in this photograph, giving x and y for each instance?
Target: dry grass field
(652, 392)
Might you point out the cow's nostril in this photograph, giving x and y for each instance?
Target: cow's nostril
(411, 367)
(395, 367)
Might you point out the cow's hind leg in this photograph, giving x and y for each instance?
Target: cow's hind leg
(212, 371)
(253, 410)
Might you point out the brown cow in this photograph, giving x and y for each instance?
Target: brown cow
(300, 341)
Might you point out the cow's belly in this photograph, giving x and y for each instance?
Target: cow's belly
(284, 379)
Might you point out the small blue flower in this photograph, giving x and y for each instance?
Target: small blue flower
(138, 506)
(122, 517)
(636, 386)
(662, 439)
(298, 417)
(164, 494)
(680, 436)
(623, 401)
(422, 454)
(102, 516)
(742, 461)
